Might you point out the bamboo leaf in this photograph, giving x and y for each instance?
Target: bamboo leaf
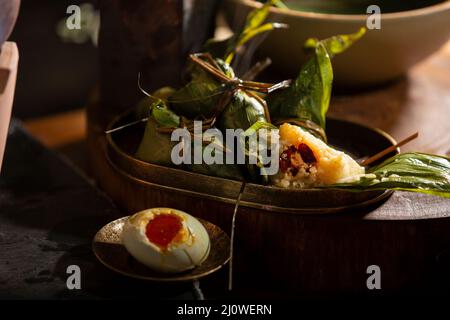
(155, 147)
(201, 94)
(146, 104)
(256, 172)
(308, 98)
(280, 4)
(196, 98)
(241, 113)
(258, 125)
(253, 26)
(235, 44)
(336, 44)
(259, 15)
(416, 172)
(163, 93)
(163, 116)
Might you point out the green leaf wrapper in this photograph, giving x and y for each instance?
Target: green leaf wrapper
(416, 172)
(156, 147)
(308, 99)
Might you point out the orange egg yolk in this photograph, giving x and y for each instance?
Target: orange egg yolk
(163, 229)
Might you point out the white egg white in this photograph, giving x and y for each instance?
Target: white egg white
(190, 249)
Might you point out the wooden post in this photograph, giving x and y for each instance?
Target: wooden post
(9, 58)
(150, 37)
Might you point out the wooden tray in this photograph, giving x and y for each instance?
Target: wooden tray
(356, 139)
(406, 236)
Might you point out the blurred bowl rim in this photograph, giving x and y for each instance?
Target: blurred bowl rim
(439, 7)
(14, 8)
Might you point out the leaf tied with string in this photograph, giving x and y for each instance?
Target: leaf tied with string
(306, 102)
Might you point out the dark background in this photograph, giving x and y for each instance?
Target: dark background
(54, 75)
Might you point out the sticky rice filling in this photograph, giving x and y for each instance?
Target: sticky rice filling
(306, 161)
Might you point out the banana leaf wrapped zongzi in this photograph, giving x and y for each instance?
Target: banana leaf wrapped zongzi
(295, 111)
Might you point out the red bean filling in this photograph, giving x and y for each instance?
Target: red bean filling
(305, 153)
(162, 229)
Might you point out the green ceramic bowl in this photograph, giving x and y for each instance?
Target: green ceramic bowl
(356, 6)
(406, 37)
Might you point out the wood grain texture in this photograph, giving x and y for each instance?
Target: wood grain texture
(132, 41)
(8, 63)
(9, 59)
(59, 130)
